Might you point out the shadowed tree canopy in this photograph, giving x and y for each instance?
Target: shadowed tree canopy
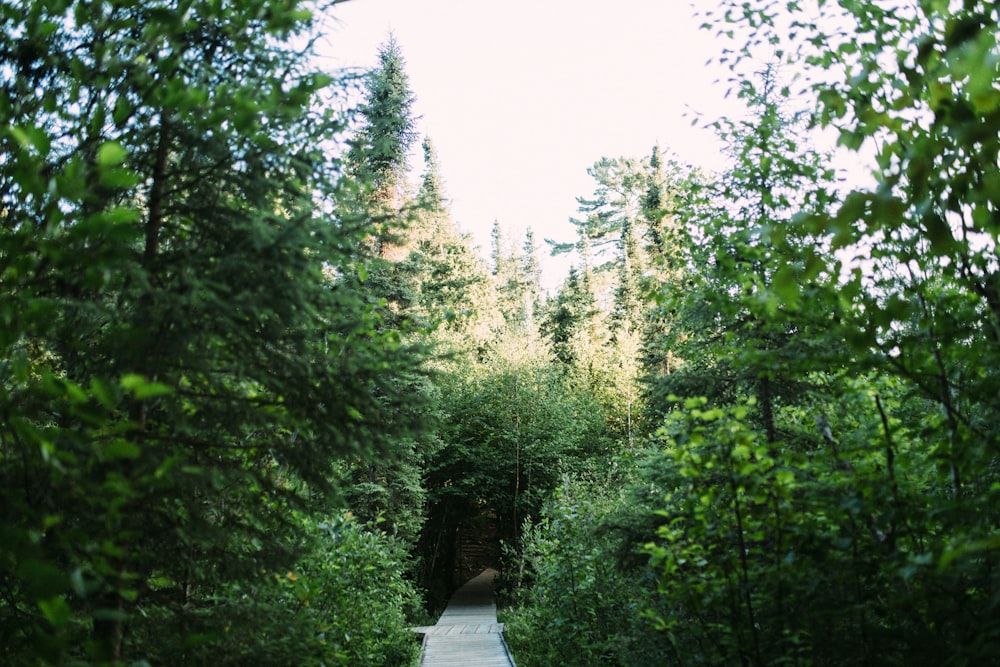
(183, 363)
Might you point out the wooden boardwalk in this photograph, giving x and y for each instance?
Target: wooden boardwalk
(467, 634)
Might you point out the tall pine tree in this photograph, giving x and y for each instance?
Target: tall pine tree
(180, 374)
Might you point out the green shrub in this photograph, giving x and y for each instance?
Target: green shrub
(578, 598)
(346, 602)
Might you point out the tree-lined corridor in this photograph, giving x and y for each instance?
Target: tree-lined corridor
(261, 402)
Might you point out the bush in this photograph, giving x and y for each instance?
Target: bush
(579, 598)
(346, 602)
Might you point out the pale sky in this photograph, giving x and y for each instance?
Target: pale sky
(520, 97)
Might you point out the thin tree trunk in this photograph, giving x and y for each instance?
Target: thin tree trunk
(745, 567)
(766, 397)
(157, 191)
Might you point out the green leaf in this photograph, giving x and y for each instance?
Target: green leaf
(123, 110)
(32, 138)
(143, 389)
(695, 402)
(785, 285)
(991, 543)
(78, 582)
(74, 392)
(119, 178)
(121, 449)
(851, 139)
(939, 234)
(56, 611)
(321, 80)
(44, 579)
(103, 392)
(110, 154)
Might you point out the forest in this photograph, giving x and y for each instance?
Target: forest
(262, 402)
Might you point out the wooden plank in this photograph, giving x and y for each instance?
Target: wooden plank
(464, 629)
(467, 634)
(486, 650)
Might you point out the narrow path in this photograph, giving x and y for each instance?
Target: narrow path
(467, 634)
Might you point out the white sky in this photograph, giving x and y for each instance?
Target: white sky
(520, 97)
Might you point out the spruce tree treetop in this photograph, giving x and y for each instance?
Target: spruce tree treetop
(379, 151)
(432, 185)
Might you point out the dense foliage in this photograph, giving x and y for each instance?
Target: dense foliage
(821, 485)
(183, 364)
(261, 402)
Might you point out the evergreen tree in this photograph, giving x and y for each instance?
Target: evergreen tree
(431, 194)
(180, 375)
(569, 321)
(517, 279)
(742, 260)
(450, 279)
(673, 194)
(629, 305)
(620, 239)
(532, 272)
(614, 206)
(389, 491)
(378, 159)
(379, 152)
